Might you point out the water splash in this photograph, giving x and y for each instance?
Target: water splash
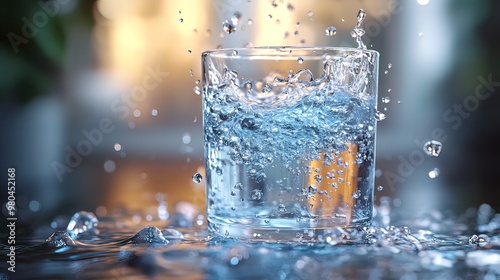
(358, 31)
(83, 225)
(228, 27)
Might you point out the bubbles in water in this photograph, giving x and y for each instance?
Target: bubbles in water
(197, 178)
(433, 148)
(149, 235)
(59, 239)
(186, 138)
(257, 194)
(154, 112)
(118, 147)
(330, 31)
(34, 206)
(310, 14)
(386, 99)
(313, 189)
(83, 224)
(109, 166)
(290, 7)
(197, 90)
(300, 60)
(318, 178)
(137, 113)
(228, 27)
(434, 173)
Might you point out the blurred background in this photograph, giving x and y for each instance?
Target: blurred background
(100, 107)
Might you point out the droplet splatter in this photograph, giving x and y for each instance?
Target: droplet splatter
(433, 148)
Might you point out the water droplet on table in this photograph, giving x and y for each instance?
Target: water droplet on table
(83, 224)
(59, 239)
(149, 235)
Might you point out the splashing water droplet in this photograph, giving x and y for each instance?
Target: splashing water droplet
(197, 90)
(149, 235)
(300, 60)
(228, 27)
(433, 148)
(83, 224)
(330, 31)
(235, 18)
(358, 31)
(118, 147)
(197, 178)
(59, 239)
(379, 116)
(434, 173)
(386, 99)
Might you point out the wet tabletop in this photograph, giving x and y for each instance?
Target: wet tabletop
(432, 246)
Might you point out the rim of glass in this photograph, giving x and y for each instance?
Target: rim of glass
(273, 51)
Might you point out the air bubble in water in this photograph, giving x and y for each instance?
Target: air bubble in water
(300, 60)
(257, 194)
(434, 173)
(433, 148)
(330, 31)
(82, 224)
(386, 99)
(118, 147)
(149, 235)
(318, 178)
(228, 27)
(197, 178)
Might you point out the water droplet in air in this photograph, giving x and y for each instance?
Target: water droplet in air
(118, 147)
(197, 178)
(82, 224)
(313, 189)
(386, 72)
(191, 72)
(250, 22)
(298, 23)
(235, 18)
(269, 16)
(256, 194)
(433, 148)
(180, 20)
(423, 2)
(190, 51)
(234, 52)
(233, 193)
(420, 34)
(59, 239)
(137, 113)
(389, 65)
(238, 186)
(310, 14)
(300, 60)
(290, 7)
(197, 90)
(379, 116)
(380, 188)
(228, 27)
(318, 178)
(356, 194)
(154, 112)
(149, 235)
(296, 33)
(481, 240)
(186, 138)
(434, 173)
(386, 99)
(330, 31)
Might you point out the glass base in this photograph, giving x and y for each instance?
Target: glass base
(281, 230)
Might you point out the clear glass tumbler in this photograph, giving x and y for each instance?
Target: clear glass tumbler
(289, 140)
